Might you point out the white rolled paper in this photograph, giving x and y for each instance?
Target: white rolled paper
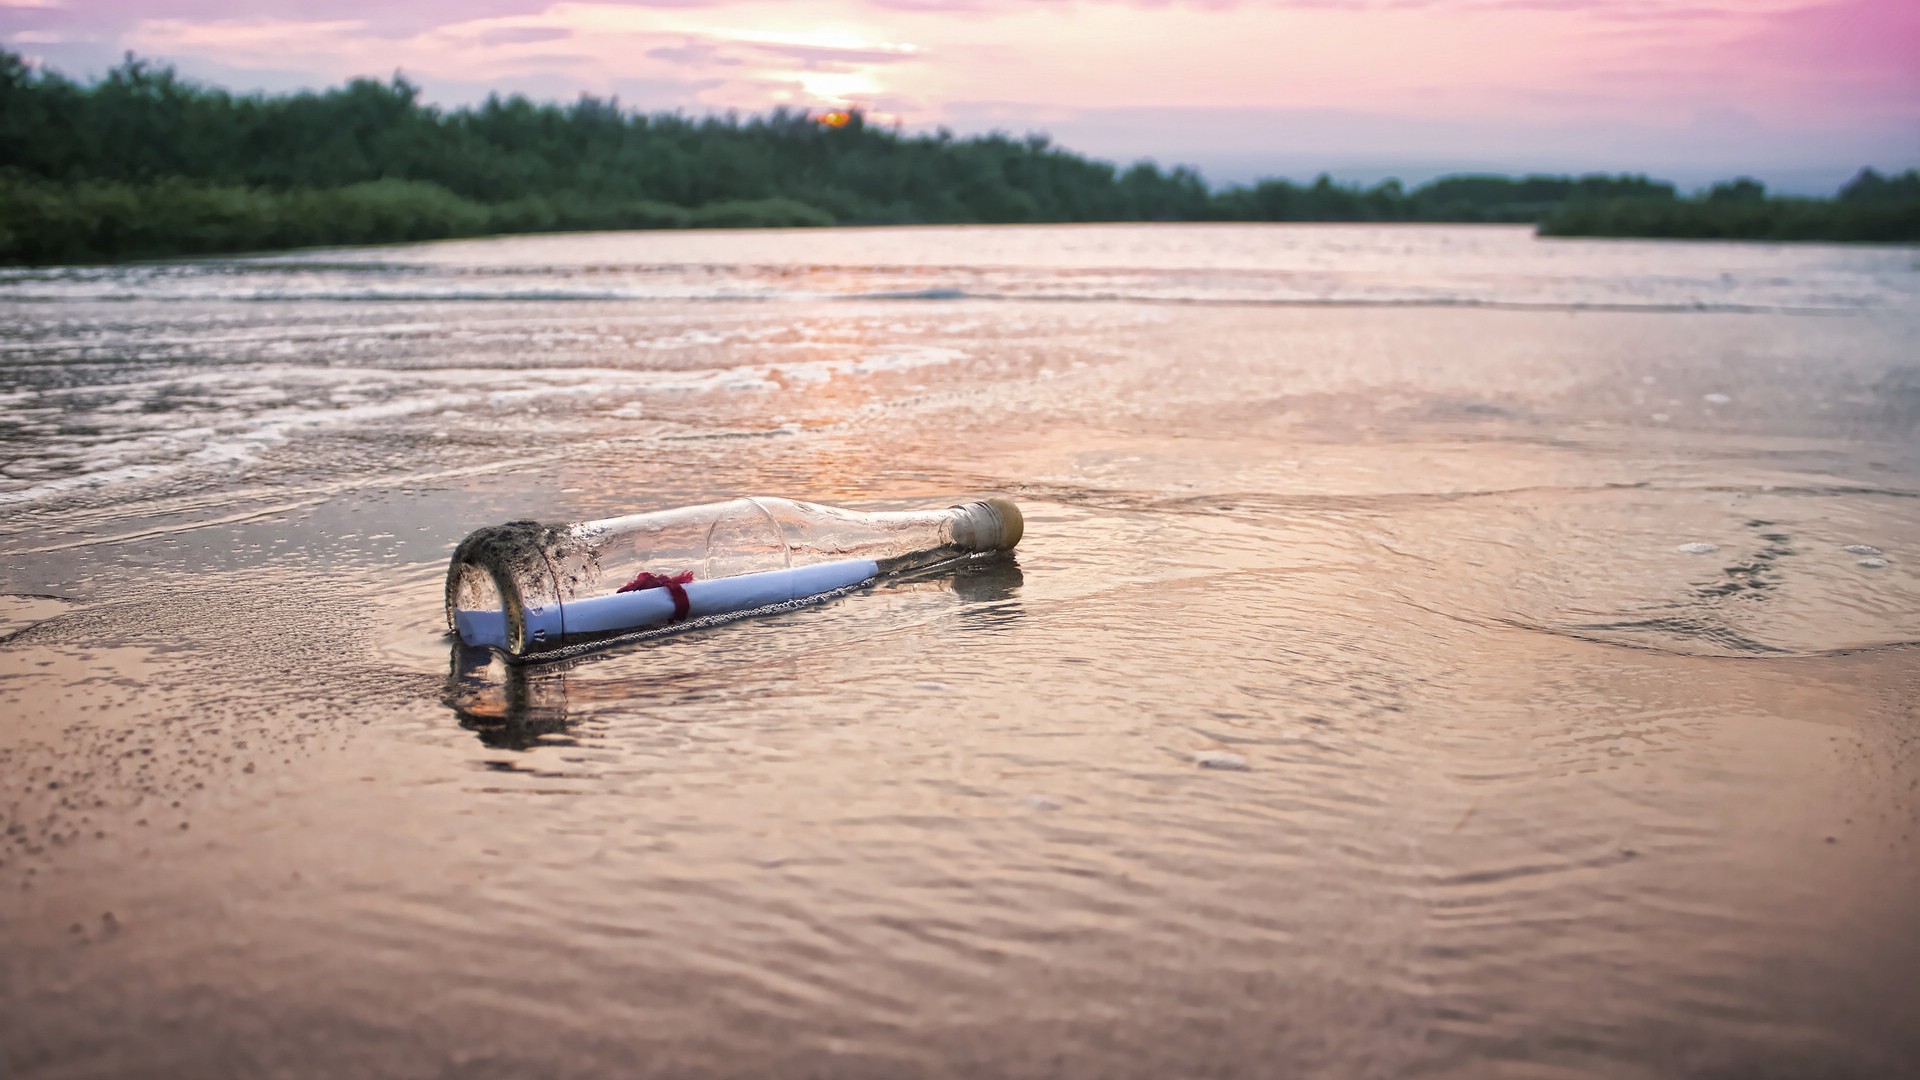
(647, 607)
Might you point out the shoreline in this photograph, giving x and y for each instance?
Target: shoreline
(90, 223)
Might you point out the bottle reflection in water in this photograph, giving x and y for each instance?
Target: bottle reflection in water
(527, 587)
(510, 706)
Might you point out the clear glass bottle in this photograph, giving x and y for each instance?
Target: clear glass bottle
(509, 586)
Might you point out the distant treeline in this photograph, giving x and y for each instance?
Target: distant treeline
(142, 163)
(1870, 207)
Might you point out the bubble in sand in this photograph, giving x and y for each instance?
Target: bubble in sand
(1220, 759)
(1698, 547)
(1861, 549)
(1715, 399)
(1872, 564)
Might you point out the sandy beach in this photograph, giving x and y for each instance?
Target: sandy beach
(1555, 603)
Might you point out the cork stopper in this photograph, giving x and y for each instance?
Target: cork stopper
(994, 524)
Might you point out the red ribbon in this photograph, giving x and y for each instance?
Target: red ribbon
(662, 581)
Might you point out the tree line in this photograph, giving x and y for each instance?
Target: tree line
(1870, 207)
(143, 163)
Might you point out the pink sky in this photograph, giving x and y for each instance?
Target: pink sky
(1798, 92)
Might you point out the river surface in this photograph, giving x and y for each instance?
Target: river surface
(1434, 652)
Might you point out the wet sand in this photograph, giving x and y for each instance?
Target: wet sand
(1529, 790)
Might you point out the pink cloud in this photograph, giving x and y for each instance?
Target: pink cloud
(1865, 42)
(523, 35)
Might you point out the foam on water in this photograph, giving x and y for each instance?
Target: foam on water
(135, 430)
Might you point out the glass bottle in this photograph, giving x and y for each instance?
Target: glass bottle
(525, 587)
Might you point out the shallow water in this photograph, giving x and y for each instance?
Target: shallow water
(1517, 575)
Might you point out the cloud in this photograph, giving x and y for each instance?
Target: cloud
(1858, 40)
(837, 57)
(381, 17)
(523, 35)
(694, 52)
(261, 38)
(701, 50)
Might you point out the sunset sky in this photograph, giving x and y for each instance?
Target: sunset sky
(1798, 92)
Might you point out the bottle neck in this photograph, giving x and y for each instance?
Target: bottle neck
(953, 533)
(988, 525)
